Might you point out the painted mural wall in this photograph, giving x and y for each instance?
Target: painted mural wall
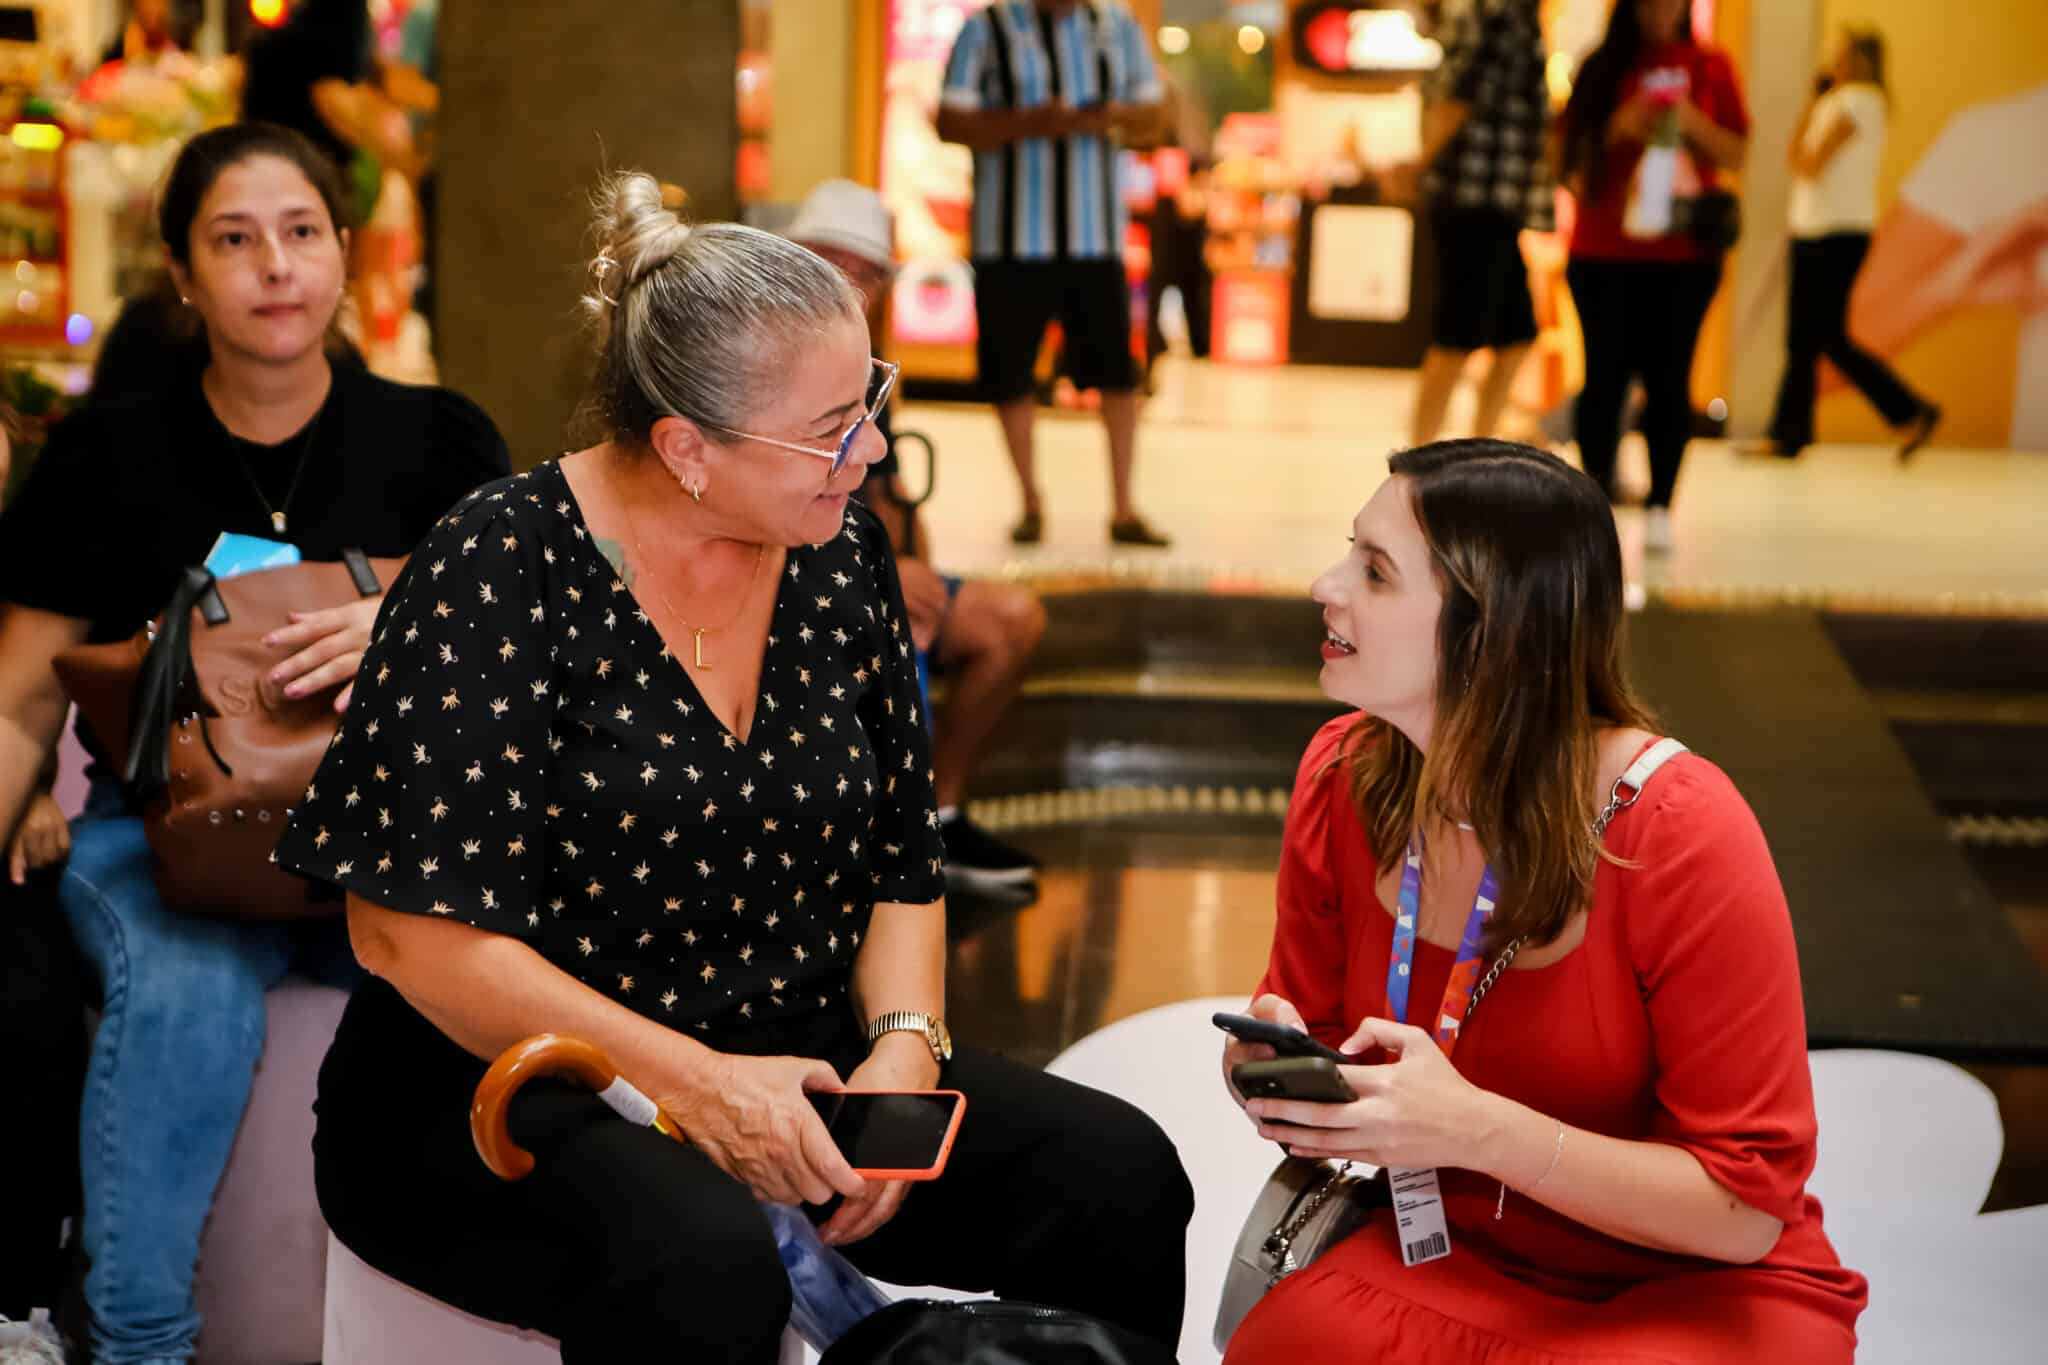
(1955, 291)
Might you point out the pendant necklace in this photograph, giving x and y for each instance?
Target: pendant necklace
(697, 633)
(277, 514)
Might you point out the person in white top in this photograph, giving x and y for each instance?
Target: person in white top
(1834, 158)
(1969, 231)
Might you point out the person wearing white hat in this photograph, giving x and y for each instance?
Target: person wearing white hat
(848, 225)
(980, 634)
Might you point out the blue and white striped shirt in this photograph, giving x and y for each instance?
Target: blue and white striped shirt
(1045, 199)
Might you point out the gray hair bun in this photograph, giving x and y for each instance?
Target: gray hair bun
(697, 322)
(638, 232)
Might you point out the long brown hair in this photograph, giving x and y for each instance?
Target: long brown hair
(1529, 666)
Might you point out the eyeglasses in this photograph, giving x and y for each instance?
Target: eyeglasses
(881, 383)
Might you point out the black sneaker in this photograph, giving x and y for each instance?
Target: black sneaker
(978, 859)
(1918, 430)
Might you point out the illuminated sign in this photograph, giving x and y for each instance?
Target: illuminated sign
(1342, 39)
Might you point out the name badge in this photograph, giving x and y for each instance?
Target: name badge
(1419, 1215)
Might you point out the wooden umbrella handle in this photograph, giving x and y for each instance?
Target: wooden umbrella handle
(551, 1054)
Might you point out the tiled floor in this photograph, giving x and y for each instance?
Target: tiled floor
(1256, 473)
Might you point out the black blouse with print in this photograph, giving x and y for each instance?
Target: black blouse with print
(524, 754)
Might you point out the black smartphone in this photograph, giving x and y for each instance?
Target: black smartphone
(1288, 1042)
(892, 1134)
(1292, 1078)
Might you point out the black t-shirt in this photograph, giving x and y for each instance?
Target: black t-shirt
(525, 755)
(130, 491)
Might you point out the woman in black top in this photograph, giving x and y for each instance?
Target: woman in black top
(637, 756)
(266, 439)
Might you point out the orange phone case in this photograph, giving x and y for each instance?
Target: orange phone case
(938, 1167)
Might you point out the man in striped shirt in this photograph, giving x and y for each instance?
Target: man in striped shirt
(1044, 92)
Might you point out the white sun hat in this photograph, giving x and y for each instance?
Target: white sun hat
(851, 217)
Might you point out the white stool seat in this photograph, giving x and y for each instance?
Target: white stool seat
(373, 1319)
(1908, 1148)
(1898, 1130)
(1167, 1062)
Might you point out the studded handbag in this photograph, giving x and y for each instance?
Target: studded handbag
(212, 752)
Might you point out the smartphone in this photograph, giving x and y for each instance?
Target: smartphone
(1292, 1078)
(1288, 1042)
(892, 1134)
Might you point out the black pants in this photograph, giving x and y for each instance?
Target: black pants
(42, 1035)
(1817, 324)
(1641, 321)
(628, 1246)
(1177, 262)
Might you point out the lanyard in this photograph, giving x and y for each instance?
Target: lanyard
(1458, 990)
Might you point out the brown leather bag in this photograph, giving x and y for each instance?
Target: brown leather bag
(213, 751)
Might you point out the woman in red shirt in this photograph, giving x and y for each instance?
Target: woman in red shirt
(1624, 1131)
(1641, 281)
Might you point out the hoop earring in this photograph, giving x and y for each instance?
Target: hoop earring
(696, 493)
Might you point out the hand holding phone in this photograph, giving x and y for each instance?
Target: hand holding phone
(1293, 1078)
(1285, 1040)
(892, 1134)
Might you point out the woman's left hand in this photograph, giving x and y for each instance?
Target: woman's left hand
(900, 1061)
(1412, 1111)
(329, 647)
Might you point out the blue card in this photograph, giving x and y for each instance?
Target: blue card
(235, 554)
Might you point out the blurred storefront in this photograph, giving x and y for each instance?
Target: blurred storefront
(1285, 110)
(94, 106)
(90, 128)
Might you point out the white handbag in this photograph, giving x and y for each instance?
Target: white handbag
(1306, 1207)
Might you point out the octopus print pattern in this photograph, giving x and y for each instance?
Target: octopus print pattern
(526, 755)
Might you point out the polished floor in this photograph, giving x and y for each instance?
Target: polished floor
(1256, 474)
(1169, 895)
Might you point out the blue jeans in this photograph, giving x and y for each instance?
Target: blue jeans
(181, 1028)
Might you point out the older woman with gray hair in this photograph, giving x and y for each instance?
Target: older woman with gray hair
(637, 756)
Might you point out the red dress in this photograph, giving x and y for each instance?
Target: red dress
(1678, 1019)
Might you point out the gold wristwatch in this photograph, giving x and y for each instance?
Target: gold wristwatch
(931, 1026)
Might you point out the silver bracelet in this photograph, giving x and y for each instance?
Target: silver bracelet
(1556, 1155)
(1500, 1206)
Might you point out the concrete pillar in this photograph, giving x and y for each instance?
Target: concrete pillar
(1777, 62)
(812, 45)
(537, 100)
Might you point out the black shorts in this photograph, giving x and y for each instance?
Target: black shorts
(1482, 285)
(1014, 300)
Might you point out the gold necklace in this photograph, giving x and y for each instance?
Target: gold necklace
(697, 633)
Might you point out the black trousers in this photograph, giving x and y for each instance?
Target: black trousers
(1177, 262)
(628, 1246)
(1817, 324)
(1641, 320)
(42, 1034)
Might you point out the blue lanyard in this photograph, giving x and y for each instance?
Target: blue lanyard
(1464, 978)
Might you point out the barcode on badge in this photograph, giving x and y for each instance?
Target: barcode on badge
(1429, 1248)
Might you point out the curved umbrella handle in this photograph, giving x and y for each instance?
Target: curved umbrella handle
(551, 1054)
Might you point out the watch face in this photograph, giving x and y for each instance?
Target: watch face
(942, 1040)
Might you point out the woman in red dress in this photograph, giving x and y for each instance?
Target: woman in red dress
(1624, 1131)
